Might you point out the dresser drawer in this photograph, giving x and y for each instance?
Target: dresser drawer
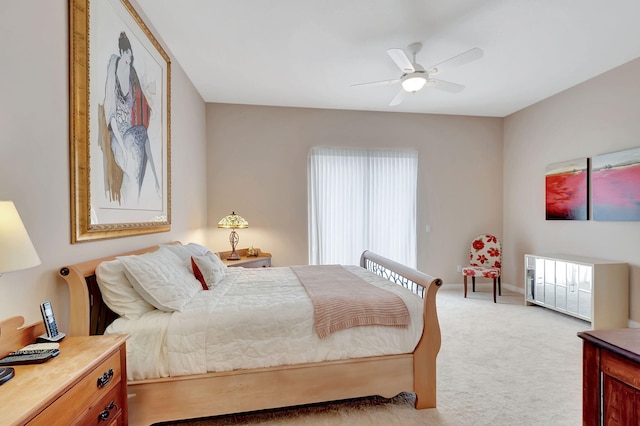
(105, 412)
(621, 369)
(258, 262)
(86, 395)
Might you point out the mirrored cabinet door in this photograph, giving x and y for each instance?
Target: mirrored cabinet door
(572, 288)
(561, 285)
(550, 282)
(539, 274)
(585, 282)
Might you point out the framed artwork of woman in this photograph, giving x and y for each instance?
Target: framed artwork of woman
(120, 123)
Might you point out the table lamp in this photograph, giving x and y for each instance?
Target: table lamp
(233, 222)
(16, 252)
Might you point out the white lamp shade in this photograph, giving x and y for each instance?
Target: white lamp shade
(413, 83)
(16, 250)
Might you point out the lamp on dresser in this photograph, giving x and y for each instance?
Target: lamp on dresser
(233, 222)
(16, 250)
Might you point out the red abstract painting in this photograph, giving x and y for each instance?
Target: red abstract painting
(567, 192)
(615, 180)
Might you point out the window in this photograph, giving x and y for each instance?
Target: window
(362, 199)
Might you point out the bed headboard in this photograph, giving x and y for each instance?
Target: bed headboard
(88, 313)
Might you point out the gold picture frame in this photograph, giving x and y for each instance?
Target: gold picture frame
(120, 127)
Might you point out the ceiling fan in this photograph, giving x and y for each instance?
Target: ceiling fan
(415, 77)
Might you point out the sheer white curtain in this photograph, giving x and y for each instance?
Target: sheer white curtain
(362, 199)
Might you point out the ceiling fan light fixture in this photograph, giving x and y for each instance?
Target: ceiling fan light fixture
(413, 83)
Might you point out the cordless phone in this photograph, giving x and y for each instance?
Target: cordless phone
(50, 325)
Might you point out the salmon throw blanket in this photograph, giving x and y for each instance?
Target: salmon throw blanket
(342, 300)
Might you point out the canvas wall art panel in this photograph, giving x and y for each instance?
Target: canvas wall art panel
(615, 183)
(567, 193)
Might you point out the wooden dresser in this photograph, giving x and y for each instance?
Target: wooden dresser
(611, 377)
(86, 385)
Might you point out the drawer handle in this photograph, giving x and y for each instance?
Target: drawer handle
(105, 379)
(104, 415)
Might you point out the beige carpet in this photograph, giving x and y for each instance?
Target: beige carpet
(500, 364)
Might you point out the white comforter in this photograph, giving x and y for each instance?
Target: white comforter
(255, 318)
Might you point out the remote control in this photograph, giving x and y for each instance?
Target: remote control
(29, 357)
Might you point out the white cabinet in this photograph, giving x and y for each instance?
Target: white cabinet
(594, 290)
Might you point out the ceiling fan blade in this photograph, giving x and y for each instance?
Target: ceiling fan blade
(398, 98)
(377, 83)
(461, 59)
(447, 86)
(401, 59)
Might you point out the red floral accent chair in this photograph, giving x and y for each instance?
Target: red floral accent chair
(485, 260)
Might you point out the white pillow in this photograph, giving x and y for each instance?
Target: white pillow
(161, 278)
(178, 250)
(211, 271)
(192, 249)
(117, 292)
(197, 249)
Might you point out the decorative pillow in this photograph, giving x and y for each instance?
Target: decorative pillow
(161, 278)
(117, 292)
(219, 264)
(213, 258)
(198, 275)
(208, 269)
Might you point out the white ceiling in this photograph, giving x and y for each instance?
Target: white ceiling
(308, 53)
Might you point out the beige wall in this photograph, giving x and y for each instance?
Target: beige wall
(599, 116)
(34, 141)
(257, 166)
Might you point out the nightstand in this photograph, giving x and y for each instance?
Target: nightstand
(85, 384)
(263, 260)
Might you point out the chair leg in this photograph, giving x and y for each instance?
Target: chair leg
(499, 287)
(465, 286)
(494, 290)
(473, 281)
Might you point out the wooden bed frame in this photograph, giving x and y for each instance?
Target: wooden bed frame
(203, 395)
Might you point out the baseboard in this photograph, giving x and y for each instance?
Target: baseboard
(513, 288)
(634, 324)
(505, 286)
